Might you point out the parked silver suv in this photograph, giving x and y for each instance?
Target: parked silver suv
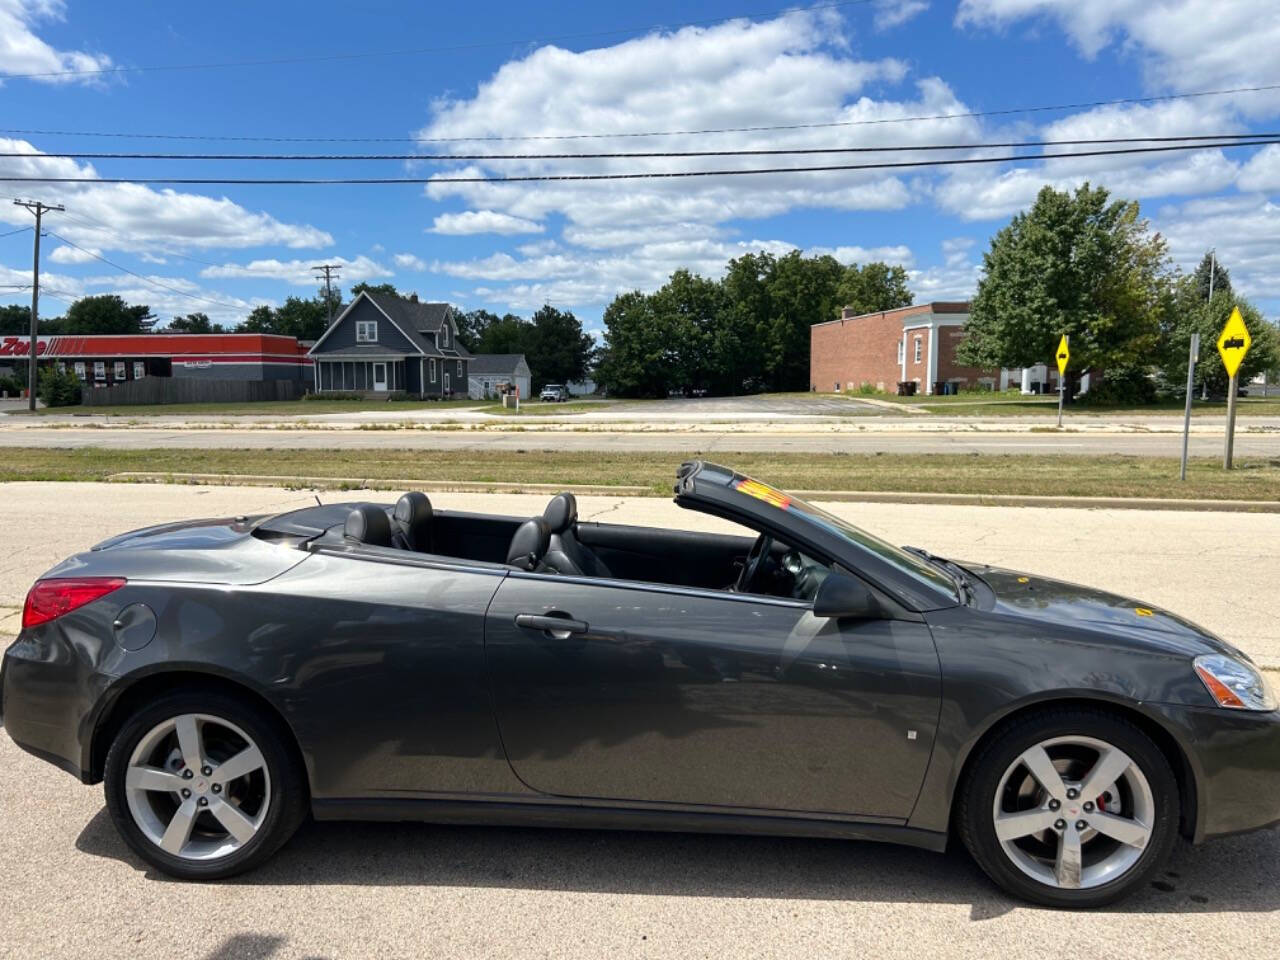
(554, 393)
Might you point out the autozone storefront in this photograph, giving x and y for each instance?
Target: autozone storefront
(107, 359)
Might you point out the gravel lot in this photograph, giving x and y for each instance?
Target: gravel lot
(69, 887)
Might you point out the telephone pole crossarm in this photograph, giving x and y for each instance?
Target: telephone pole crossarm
(330, 271)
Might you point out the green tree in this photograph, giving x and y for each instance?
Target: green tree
(298, 317)
(105, 313)
(471, 327)
(384, 289)
(1221, 277)
(261, 319)
(15, 318)
(506, 334)
(1191, 314)
(802, 291)
(686, 309)
(1080, 265)
(58, 388)
(557, 350)
(873, 288)
(632, 362)
(194, 323)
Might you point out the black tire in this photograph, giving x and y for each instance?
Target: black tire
(288, 787)
(977, 797)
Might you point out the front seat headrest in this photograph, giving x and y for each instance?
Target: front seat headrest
(561, 513)
(368, 524)
(529, 544)
(412, 519)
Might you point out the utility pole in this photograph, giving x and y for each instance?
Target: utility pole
(330, 273)
(39, 209)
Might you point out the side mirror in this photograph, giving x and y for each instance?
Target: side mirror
(843, 596)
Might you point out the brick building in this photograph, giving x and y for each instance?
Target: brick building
(916, 343)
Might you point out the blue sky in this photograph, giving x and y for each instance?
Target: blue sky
(558, 69)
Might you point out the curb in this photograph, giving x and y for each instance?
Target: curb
(606, 490)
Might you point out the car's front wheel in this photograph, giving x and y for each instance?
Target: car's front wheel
(203, 786)
(1070, 808)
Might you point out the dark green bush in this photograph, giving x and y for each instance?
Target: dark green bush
(58, 388)
(1121, 388)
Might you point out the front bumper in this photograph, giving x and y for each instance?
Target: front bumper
(1234, 757)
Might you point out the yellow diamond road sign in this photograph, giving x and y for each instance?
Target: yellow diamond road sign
(1063, 355)
(1234, 342)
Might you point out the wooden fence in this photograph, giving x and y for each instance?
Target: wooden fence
(183, 390)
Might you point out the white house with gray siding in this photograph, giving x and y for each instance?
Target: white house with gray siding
(487, 373)
(383, 344)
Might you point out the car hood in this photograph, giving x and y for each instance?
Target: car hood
(1074, 606)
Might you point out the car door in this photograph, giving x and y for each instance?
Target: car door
(632, 691)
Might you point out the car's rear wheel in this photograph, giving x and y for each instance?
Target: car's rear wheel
(203, 785)
(1070, 808)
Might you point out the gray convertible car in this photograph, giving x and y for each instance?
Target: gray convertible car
(226, 677)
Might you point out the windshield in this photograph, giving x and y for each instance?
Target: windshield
(910, 564)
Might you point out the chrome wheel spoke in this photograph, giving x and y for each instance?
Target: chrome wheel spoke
(1011, 826)
(1111, 765)
(1130, 832)
(178, 832)
(1046, 774)
(233, 819)
(1068, 867)
(188, 732)
(246, 761)
(152, 778)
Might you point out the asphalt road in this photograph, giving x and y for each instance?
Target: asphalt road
(814, 440)
(69, 887)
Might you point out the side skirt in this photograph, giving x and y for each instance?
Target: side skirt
(573, 816)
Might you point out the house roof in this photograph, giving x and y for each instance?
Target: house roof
(421, 321)
(491, 364)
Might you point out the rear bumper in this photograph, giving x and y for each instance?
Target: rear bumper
(1235, 761)
(49, 694)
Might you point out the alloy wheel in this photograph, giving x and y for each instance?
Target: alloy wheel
(197, 786)
(1074, 812)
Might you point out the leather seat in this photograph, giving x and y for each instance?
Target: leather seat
(565, 554)
(529, 546)
(368, 524)
(411, 522)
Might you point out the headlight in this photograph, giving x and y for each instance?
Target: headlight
(1234, 684)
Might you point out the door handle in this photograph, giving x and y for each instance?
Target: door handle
(560, 628)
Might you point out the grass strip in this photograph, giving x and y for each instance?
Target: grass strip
(1256, 478)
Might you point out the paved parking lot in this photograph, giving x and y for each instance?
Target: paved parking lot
(69, 887)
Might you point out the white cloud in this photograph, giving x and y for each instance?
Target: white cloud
(299, 272)
(893, 13)
(899, 254)
(66, 254)
(792, 70)
(22, 52)
(409, 261)
(136, 218)
(1243, 228)
(1262, 172)
(1185, 45)
(483, 221)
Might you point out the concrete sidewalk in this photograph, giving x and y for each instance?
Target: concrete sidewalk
(1202, 565)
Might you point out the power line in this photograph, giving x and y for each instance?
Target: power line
(653, 175)
(966, 115)
(146, 279)
(1208, 139)
(12, 232)
(371, 54)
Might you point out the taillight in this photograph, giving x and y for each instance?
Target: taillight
(50, 599)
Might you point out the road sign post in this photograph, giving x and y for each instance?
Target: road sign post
(1233, 344)
(1064, 354)
(1192, 357)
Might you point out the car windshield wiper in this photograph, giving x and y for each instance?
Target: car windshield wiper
(964, 586)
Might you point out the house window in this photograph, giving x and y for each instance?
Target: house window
(918, 349)
(366, 331)
(459, 368)
(902, 349)
(433, 369)
(444, 335)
